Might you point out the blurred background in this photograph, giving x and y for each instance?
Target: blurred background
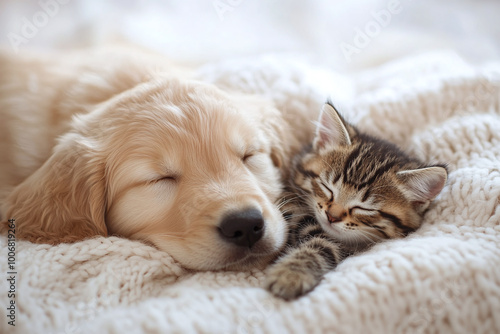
(345, 35)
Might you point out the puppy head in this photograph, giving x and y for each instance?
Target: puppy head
(180, 165)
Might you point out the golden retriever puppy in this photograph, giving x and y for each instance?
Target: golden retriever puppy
(98, 143)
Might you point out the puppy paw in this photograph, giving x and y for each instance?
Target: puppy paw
(290, 283)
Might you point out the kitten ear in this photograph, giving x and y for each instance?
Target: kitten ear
(331, 130)
(424, 184)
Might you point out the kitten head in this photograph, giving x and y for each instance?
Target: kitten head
(362, 189)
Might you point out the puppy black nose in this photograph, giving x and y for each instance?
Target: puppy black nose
(243, 228)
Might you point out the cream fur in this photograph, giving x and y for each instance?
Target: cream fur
(90, 136)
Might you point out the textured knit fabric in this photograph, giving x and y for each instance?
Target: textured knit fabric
(444, 278)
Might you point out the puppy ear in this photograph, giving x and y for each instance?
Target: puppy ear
(280, 139)
(64, 200)
(270, 121)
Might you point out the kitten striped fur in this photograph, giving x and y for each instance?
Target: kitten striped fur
(350, 190)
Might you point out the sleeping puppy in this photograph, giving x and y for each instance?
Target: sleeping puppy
(99, 143)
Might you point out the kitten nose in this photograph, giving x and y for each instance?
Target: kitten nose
(336, 217)
(336, 213)
(242, 228)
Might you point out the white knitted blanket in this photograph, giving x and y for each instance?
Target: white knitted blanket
(444, 278)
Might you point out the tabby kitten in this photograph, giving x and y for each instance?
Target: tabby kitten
(355, 190)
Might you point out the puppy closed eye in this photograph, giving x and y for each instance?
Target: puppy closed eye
(256, 160)
(166, 183)
(167, 179)
(247, 156)
(250, 153)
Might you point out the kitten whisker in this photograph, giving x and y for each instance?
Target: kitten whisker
(300, 215)
(366, 235)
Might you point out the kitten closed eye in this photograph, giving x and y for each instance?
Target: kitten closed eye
(362, 210)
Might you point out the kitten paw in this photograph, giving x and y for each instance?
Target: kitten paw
(287, 283)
